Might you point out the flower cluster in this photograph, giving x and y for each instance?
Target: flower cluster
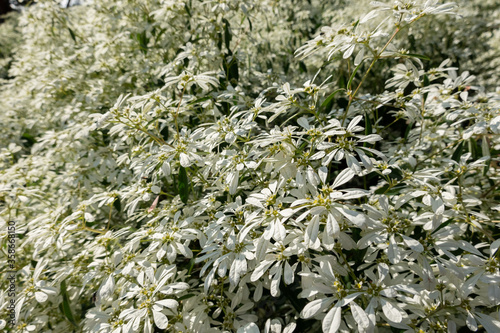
(248, 166)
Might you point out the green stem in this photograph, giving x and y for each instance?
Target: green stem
(353, 95)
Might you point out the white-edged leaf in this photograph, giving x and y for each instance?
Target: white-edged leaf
(390, 311)
(168, 303)
(331, 322)
(312, 308)
(160, 319)
(471, 322)
(290, 328)
(359, 56)
(490, 324)
(323, 173)
(343, 177)
(413, 244)
(369, 16)
(359, 316)
(260, 270)
(41, 297)
(248, 328)
(288, 273)
(184, 159)
(349, 51)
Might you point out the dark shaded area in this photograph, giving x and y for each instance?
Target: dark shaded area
(4, 9)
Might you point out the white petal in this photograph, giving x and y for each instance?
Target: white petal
(369, 16)
(323, 173)
(168, 303)
(184, 159)
(248, 328)
(275, 283)
(490, 324)
(315, 306)
(288, 273)
(359, 56)
(390, 311)
(343, 177)
(160, 320)
(41, 297)
(260, 270)
(290, 328)
(349, 51)
(331, 322)
(359, 316)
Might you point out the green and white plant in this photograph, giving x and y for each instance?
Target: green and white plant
(252, 166)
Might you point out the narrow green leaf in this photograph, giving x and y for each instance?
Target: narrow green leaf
(183, 185)
(72, 34)
(219, 41)
(474, 149)
(187, 10)
(485, 150)
(65, 306)
(249, 23)
(382, 189)
(407, 131)
(458, 152)
(228, 36)
(164, 133)
(302, 67)
(329, 98)
(28, 137)
(368, 125)
(352, 76)
(420, 56)
(426, 83)
(486, 167)
(117, 204)
(185, 297)
(199, 100)
(368, 128)
(355, 25)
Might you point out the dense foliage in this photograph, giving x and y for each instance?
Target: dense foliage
(251, 166)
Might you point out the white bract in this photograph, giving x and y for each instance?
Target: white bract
(251, 166)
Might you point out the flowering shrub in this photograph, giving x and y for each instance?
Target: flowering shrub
(248, 166)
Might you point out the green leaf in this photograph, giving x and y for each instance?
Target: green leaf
(485, 150)
(407, 131)
(228, 36)
(65, 306)
(249, 23)
(458, 152)
(183, 185)
(28, 137)
(72, 34)
(219, 41)
(302, 67)
(355, 25)
(185, 297)
(117, 204)
(143, 40)
(368, 128)
(442, 225)
(475, 149)
(486, 167)
(426, 83)
(231, 68)
(352, 76)
(164, 133)
(420, 56)
(199, 100)
(329, 98)
(187, 10)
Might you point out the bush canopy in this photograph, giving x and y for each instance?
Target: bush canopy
(250, 166)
